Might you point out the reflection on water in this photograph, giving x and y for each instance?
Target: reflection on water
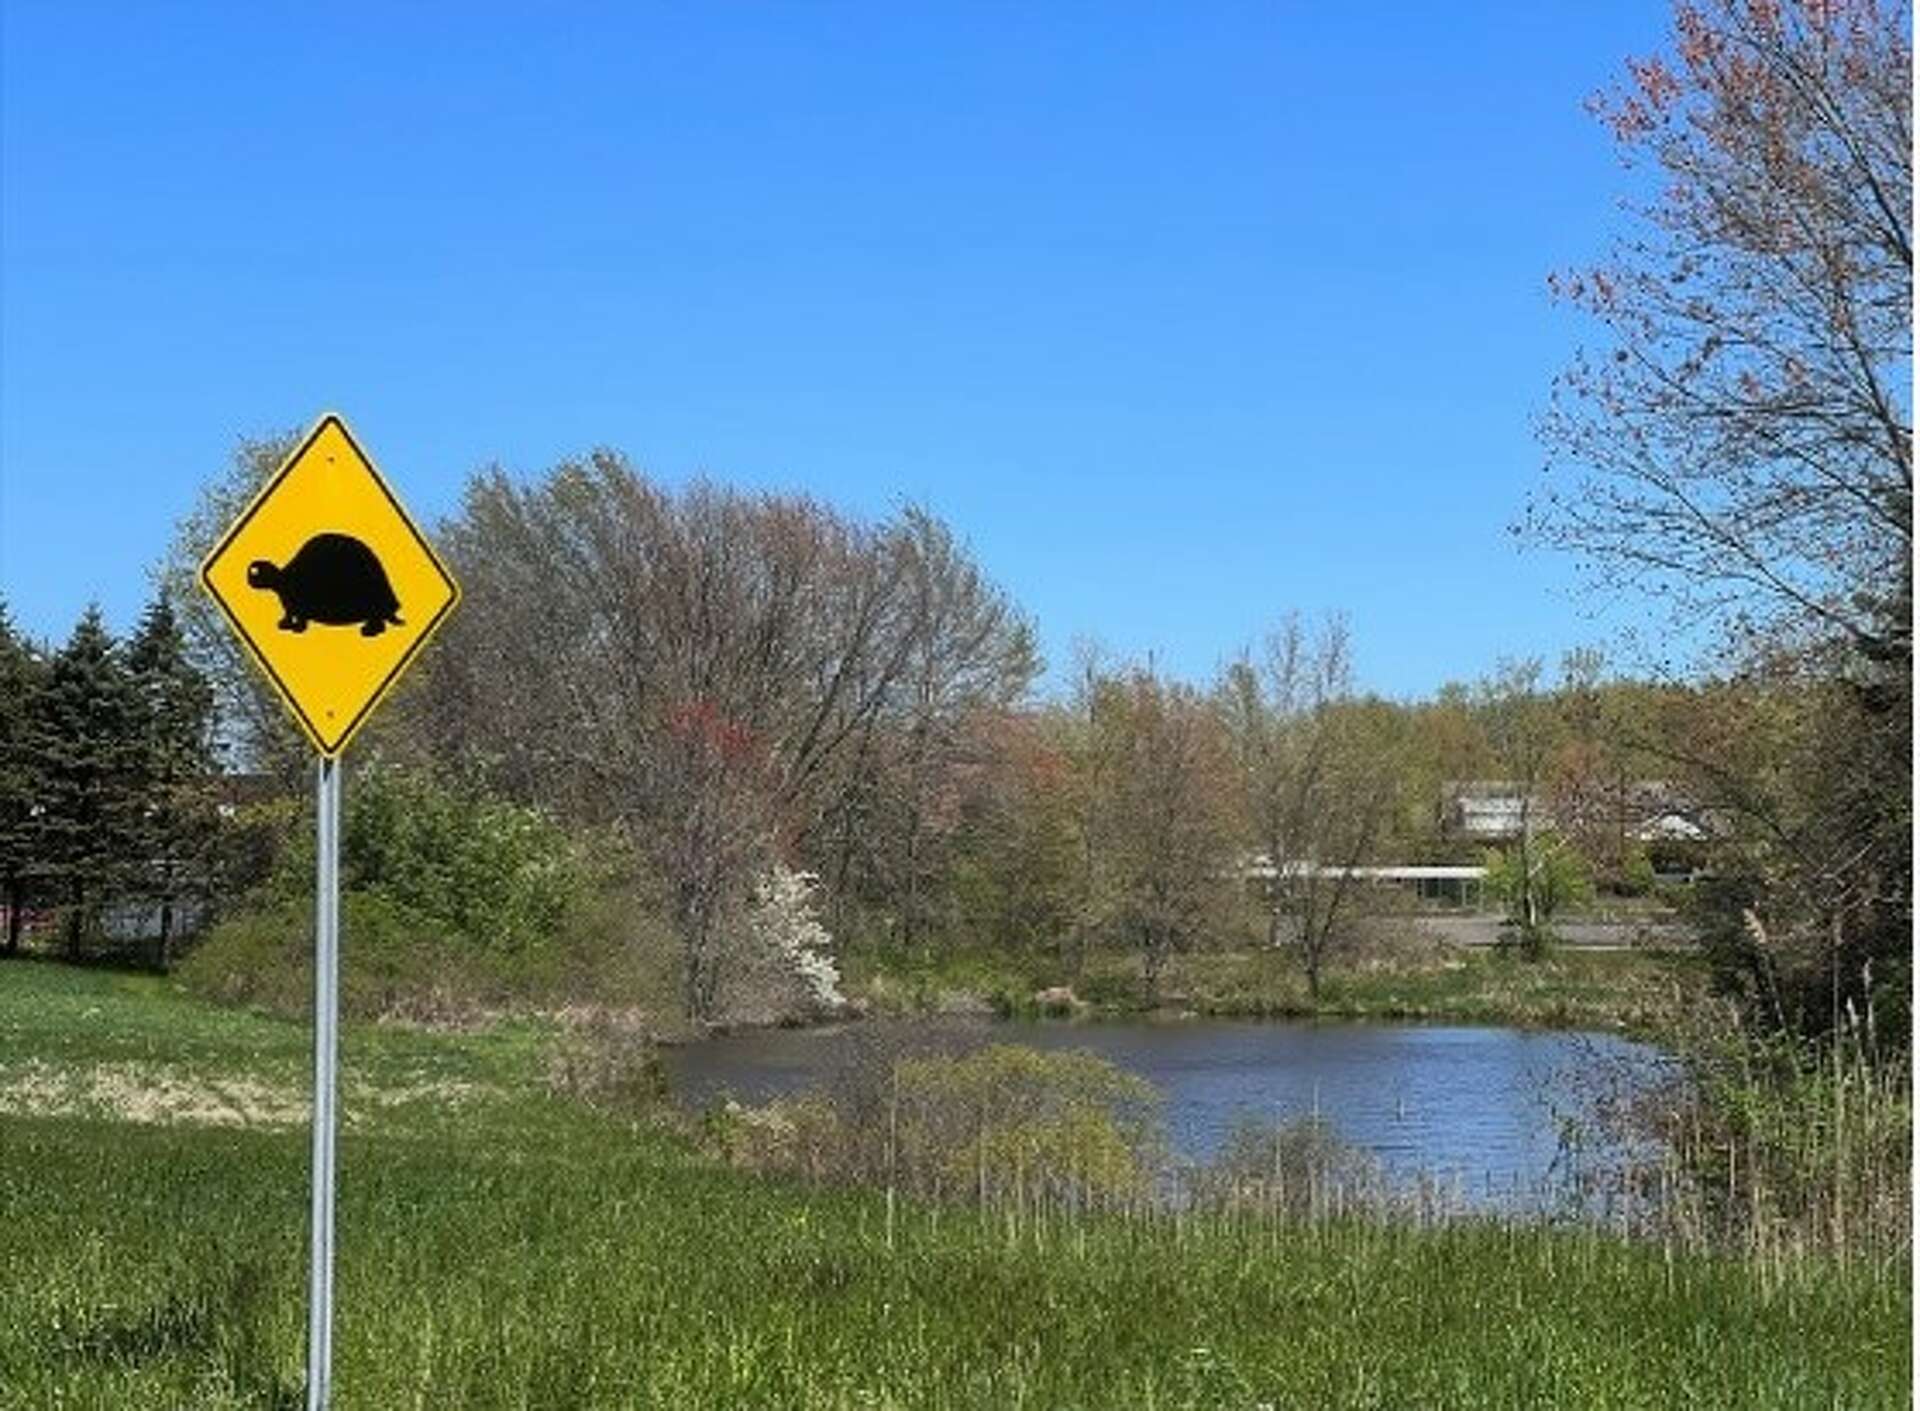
(1482, 1110)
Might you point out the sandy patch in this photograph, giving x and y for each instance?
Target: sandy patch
(137, 1092)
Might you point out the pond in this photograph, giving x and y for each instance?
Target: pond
(1482, 1111)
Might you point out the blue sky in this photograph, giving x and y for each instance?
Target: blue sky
(1183, 316)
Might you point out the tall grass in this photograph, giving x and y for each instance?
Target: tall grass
(1764, 1152)
(1772, 1148)
(526, 1250)
(163, 1268)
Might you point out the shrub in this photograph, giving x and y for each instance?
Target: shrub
(486, 871)
(607, 1061)
(258, 957)
(1775, 1145)
(1000, 1123)
(785, 968)
(1009, 1117)
(1299, 1169)
(450, 900)
(1637, 875)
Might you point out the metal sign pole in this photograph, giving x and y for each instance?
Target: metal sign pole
(326, 1026)
(325, 543)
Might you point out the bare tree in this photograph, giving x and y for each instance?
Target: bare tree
(1314, 790)
(703, 667)
(1167, 829)
(908, 776)
(1744, 443)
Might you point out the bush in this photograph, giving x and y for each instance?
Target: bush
(782, 968)
(262, 958)
(1002, 1123)
(1637, 875)
(1008, 1117)
(489, 872)
(450, 901)
(609, 1062)
(393, 962)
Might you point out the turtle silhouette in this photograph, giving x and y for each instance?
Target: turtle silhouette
(334, 579)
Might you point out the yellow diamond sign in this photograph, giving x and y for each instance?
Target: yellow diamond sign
(329, 584)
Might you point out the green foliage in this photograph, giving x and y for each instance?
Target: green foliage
(483, 873)
(450, 899)
(1001, 1123)
(22, 676)
(1010, 1119)
(106, 768)
(1637, 877)
(87, 739)
(1779, 1145)
(1624, 988)
(1551, 871)
(393, 963)
(176, 824)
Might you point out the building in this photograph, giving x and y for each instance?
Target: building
(1651, 815)
(1451, 885)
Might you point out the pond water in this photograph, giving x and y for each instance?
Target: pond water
(1480, 1110)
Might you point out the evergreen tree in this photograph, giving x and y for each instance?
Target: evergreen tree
(174, 764)
(87, 741)
(22, 674)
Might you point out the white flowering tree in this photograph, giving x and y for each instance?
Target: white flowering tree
(782, 924)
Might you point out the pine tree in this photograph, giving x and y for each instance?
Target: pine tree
(87, 741)
(22, 676)
(173, 828)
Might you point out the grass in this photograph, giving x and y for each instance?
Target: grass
(1625, 988)
(517, 1250)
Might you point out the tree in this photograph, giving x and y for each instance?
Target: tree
(1315, 791)
(87, 740)
(1167, 832)
(255, 725)
(1520, 730)
(1745, 442)
(175, 764)
(1094, 755)
(22, 676)
(1538, 884)
(1015, 859)
(710, 669)
(1743, 445)
(908, 779)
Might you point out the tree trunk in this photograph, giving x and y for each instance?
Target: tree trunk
(14, 893)
(162, 949)
(77, 897)
(1150, 959)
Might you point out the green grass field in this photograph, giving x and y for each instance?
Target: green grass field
(500, 1247)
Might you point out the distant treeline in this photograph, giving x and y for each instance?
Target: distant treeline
(706, 684)
(109, 792)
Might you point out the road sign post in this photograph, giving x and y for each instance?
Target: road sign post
(326, 1068)
(333, 592)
